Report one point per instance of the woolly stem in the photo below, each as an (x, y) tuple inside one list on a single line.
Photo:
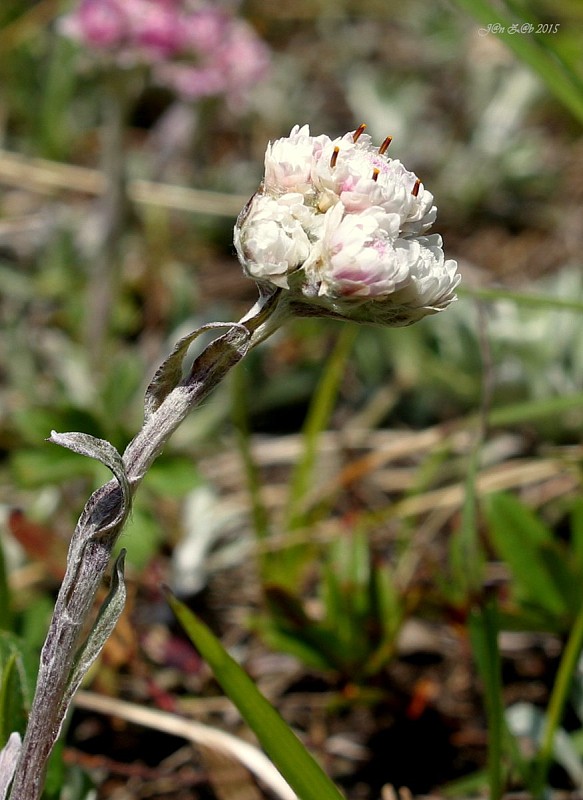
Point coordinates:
[(102, 521)]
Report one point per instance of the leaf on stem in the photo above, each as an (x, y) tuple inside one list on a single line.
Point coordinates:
[(102, 451), (109, 614), (8, 760), (169, 373), (484, 628)]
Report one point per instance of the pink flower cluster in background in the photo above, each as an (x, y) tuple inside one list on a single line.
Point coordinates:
[(195, 49)]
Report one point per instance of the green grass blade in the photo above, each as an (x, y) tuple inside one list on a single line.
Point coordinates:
[(18, 667), (283, 747), (240, 418), (532, 410), (316, 421), (577, 531), (483, 627), (465, 556), (287, 570), (546, 302), (557, 702), (525, 544)]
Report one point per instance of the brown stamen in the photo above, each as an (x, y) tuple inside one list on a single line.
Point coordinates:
[(375, 173), (415, 189), (385, 145), (334, 157), (358, 132)]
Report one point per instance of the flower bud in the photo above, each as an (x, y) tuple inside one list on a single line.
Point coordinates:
[(340, 227)]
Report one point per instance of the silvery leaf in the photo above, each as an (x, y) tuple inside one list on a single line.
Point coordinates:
[(102, 451), (169, 373), (108, 616), (8, 759)]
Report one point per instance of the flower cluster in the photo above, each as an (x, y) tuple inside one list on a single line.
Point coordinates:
[(343, 228), (195, 49)]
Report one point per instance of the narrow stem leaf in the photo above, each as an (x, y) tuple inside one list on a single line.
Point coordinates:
[(8, 760), (109, 614)]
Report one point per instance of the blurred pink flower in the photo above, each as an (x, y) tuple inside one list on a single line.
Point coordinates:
[(99, 24), (221, 55), (205, 29), (156, 28), (195, 49)]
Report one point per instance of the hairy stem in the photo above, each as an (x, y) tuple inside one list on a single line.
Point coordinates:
[(99, 527)]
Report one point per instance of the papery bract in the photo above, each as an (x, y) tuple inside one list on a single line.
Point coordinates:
[(361, 176), (432, 278)]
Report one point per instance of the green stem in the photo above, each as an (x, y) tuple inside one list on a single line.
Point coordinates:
[(559, 696), (483, 627), (6, 619), (240, 417), (317, 419)]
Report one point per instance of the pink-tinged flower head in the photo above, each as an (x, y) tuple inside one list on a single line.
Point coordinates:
[(338, 224), (245, 57), (356, 254), (363, 176), (289, 161), (220, 55)]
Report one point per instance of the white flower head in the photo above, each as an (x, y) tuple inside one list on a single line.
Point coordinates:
[(339, 225), (272, 239), (355, 254), (432, 279), (288, 161)]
